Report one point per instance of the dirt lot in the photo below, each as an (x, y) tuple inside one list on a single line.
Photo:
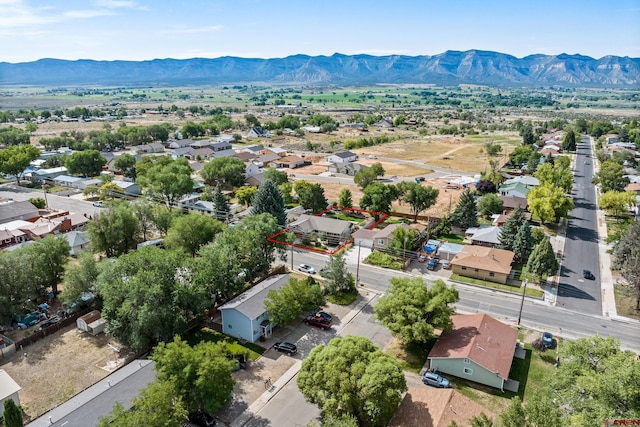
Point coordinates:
[(59, 366)]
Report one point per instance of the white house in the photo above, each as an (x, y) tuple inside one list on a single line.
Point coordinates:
[(245, 317), (78, 241), (342, 157), (8, 390)]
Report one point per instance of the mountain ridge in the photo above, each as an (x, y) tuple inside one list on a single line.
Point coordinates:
[(447, 68)]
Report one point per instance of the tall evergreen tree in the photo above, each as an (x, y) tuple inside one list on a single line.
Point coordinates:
[(12, 414), (510, 229), (466, 213), (221, 205), (523, 243), (345, 198), (269, 199), (569, 141), (542, 260)]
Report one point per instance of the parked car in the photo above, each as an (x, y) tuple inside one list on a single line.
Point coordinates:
[(422, 258), (446, 264), (322, 314), (202, 419), (286, 347), (318, 321), (547, 339), (435, 380), (432, 264), (306, 269), (98, 204), (588, 275), (240, 361), (29, 319)]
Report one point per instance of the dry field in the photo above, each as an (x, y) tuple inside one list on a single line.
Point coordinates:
[(59, 366)]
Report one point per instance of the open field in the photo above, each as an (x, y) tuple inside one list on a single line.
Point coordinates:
[(61, 365)]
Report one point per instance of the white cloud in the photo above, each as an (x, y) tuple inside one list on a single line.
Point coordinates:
[(193, 30), (114, 4)]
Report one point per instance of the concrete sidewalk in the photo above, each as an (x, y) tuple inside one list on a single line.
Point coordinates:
[(278, 384)]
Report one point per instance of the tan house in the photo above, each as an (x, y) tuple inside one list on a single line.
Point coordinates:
[(436, 407), (479, 348), (335, 231), (484, 263)]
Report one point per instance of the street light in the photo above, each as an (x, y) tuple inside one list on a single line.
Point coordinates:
[(524, 291), (44, 188)]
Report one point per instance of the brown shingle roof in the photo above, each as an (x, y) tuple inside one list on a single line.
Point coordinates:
[(480, 338), (436, 407), (513, 202), (484, 258)]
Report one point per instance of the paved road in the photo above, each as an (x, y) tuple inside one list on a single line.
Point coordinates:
[(70, 204), (536, 314), (581, 243)]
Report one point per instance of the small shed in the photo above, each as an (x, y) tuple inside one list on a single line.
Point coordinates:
[(92, 322), (8, 390)]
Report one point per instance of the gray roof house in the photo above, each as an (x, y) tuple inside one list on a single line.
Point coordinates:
[(129, 188), (257, 133), (78, 241), (346, 168), (335, 230), (176, 153), (245, 317), (485, 236), (11, 210), (179, 143), (342, 157)]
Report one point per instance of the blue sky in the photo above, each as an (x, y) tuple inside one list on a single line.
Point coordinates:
[(149, 29)]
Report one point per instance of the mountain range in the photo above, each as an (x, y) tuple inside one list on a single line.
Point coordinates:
[(448, 68)]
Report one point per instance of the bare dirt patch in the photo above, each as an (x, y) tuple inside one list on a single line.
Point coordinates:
[(59, 366)]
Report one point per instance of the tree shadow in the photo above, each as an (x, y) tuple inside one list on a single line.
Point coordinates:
[(566, 290)]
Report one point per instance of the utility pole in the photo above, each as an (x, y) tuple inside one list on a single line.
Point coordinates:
[(524, 291), (358, 267), (44, 188), (292, 257)]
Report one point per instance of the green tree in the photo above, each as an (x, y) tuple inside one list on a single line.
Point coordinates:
[(16, 288), (514, 415), (201, 374), (296, 297), (412, 311), (523, 243), (337, 276), (145, 301), (79, 277), (556, 175), (378, 197), (466, 213), (143, 211), (38, 202), (276, 175), (12, 415), (399, 119), (615, 202), (245, 194), (492, 148), (85, 163), (569, 141), (543, 261), (351, 376), (13, 136), (364, 177), (345, 198), (610, 177), (157, 405), (224, 170), (528, 138), (596, 380), (192, 231), (403, 239), (221, 205), (549, 203), (192, 130), (520, 155), (510, 228), (49, 256), (419, 198), (114, 231), (268, 199), (490, 204), (627, 259), (311, 196), (126, 165), (15, 158), (163, 218), (166, 178)]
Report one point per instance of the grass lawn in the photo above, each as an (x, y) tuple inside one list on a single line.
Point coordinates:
[(253, 351), (452, 238), (342, 297), (536, 293), (411, 357), (626, 301)]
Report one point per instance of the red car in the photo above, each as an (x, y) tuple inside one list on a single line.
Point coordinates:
[(318, 321), (422, 258)]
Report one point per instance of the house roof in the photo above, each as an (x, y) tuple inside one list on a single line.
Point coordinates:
[(484, 258), (268, 157), (480, 338), (180, 151), (180, 143), (386, 232), (202, 152), (487, 235), (517, 186), (12, 209), (513, 202), (91, 317), (436, 407), (76, 238), (245, 156), (8, 386), (290, 159), (634, 186), (308, 223), (524, 179), (224, 153), (58, 170), (67, 178), (201, 143), (364, 233), (344, 154), (451, 248), (220, 145), (251, 302)]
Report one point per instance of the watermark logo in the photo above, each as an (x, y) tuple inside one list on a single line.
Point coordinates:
[(609, 423)]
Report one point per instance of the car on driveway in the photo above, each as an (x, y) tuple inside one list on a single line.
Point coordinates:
[(322, 314), (286, 347), (98, 204), (435, 380), (318, 322), (446, 264), (432, 264), (202, 419), (306, 269), (587, 274), (422, 258), (547, 339)]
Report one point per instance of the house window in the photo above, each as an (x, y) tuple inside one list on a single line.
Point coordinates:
[(464, 268), (467, 361), (229, 326), (380, 242), (476, 270), (468, 371), (491, 274)]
